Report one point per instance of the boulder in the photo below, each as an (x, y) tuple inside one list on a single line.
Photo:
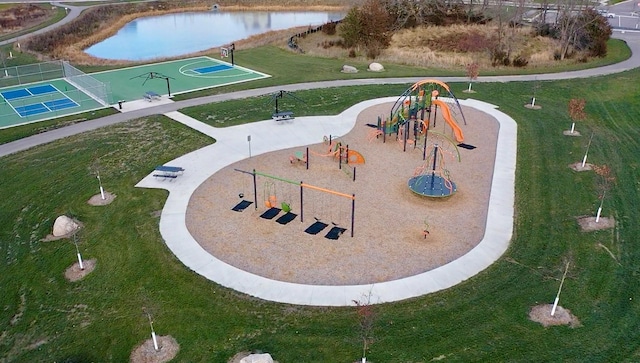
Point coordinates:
[(349, 69), (63, 226), (376, 67), (257, 358)]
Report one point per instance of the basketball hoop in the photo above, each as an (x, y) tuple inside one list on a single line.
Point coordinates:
[(224, 52)]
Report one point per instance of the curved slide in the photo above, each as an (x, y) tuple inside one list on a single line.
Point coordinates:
[(446, 114)]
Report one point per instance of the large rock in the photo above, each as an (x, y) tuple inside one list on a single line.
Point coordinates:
[(376, 67), (257, 358), (63, 226), (349, 69)]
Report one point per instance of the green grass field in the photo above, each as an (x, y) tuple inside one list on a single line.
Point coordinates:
[(46, 318)]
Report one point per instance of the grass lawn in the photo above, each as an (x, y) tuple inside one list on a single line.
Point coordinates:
[(46, 318)]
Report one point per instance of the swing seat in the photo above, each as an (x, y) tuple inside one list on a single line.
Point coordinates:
[(271, 202), (286, 218), (241, 206), (270, 213), (285, 207), (335, 233)]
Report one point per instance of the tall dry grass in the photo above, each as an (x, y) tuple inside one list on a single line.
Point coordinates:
[(442, 47)]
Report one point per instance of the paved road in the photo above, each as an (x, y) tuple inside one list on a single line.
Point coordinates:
[(73, 12), (631, 37)]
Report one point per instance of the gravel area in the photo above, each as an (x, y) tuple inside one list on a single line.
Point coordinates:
[(388, 241)]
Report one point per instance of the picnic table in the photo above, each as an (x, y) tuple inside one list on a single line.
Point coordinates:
[(151, 95), (166, 171), (281, 116)]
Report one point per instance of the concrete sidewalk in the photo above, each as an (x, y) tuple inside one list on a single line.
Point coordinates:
[(266, 136)]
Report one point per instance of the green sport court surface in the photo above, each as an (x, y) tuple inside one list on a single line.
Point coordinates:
[(42, 100), (57, 97), (186, 75)]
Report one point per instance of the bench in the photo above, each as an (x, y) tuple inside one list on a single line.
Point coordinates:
[(165, 176), (166, 171), (281, 116), (151, 95)]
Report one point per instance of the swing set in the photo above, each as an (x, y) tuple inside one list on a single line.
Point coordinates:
[(271, 202)]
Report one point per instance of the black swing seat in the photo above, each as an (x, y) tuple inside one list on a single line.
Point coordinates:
[(244, 204), (286, 218), (270, 213), (335, 232), (316, 227)]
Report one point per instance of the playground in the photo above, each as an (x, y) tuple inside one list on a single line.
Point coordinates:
[(396, 232)]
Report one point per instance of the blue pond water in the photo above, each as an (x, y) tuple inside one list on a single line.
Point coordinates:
[(183, 33)]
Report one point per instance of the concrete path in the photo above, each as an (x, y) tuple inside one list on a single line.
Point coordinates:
[(231, 146)]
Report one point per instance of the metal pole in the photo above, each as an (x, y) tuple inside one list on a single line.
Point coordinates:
[(255, 189), (307, 159), (433, 169), (353, 212), (301, 202)]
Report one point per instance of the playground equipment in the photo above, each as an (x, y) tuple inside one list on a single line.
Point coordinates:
[(432, 178), (415, 112), (346, 157), (273, 209)]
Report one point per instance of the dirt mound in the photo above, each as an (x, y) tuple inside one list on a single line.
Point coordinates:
[(588, 224), (542, 314), (146, 353), (75, 273), (97, 199)]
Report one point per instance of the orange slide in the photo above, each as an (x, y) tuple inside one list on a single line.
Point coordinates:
[(446, 114)]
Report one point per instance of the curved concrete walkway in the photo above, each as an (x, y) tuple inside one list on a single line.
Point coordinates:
[(231, 146)]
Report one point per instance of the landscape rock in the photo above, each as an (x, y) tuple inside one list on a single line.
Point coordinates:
[(349, 69), (376, 67), (257, 358), (64, 226)]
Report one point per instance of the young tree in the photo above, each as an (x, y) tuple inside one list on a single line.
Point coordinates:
[(576, 111), (603, 183), (366, 319), (473, 70)]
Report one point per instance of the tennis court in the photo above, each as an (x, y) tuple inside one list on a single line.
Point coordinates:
[(49, 90), (42, 100), (178, 76)]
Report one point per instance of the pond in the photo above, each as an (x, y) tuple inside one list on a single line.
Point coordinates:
[(183, 33)]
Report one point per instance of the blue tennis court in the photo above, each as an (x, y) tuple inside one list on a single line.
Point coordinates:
[(38, 99), (212, 69), (28, 92)]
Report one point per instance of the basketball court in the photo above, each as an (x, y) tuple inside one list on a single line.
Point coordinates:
[(54, 89), (175, 77)]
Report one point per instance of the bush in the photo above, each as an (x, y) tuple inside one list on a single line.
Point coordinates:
[(520, 61), (500, 57), (329, 28), (373, 51)]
